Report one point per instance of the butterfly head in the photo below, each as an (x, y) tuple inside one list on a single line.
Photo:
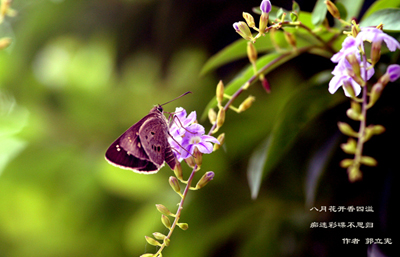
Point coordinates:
[(157, 109)]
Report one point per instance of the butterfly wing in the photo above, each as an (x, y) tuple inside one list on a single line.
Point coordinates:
[(154, 137), (127, 151)]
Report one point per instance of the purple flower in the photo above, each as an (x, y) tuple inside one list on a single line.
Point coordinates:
[(393, 71), (344, 73), (377, 35), (265, 6), (188, 135)]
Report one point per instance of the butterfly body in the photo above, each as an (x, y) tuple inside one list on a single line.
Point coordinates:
[(144, 147)]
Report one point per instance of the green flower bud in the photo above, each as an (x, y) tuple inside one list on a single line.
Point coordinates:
[(198, 157), (290, 38), (353, 115), (263, 22), (152, 241), (346, 129), (355, 65), (251, 52), (167, 241), (178, 171), (332, 9), (243, 30), (161, 208), (173, 181), (349, 88), (375, 51), (354, 173), (246, 103), (349, 147), (165, 220), (376, 92), (346, 163), (249, 19), (159, 236), (212, 115), (221, 139), (221, 117), (220, 92), (207, 177), (368, 161), (5, 42), (183, 226)]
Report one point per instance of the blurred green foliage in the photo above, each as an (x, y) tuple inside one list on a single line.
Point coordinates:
[(79, 73)]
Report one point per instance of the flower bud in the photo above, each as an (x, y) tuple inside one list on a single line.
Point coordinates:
[(368, 161), (243, 30), (178, 171), (5, 42), (376, 92), (212, 115), (349, 147), (161, 208), (159, 236), (290, 38), (198, 157), (375, 51), (263, 22), (265, 84), (152, 241), (346, 129), (183, 226), (346, 163), (354, 173), (167, 241), (249, 19), (332, 9), (221, 139), (353, 115), (190, 162), (173, 181), (348, 87), (246, 103), (221, 117), (165, 220), (393, 72), (355, 106), (265, 6), (373, 130), (220, 92), (251, 52), (207, 177), (355, 65)]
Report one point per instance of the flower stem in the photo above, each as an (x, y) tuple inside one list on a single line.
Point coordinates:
[(178, 212)]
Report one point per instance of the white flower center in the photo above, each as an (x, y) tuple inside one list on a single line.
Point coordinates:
[(195, 140)]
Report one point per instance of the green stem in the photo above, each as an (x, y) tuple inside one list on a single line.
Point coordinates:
[(178, 212)]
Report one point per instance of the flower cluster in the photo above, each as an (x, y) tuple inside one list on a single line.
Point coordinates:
[(352, 71), (187, 135)]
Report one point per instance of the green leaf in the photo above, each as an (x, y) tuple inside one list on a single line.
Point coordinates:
[(342, 10), (319, 12), (304, 105), (352, 8), (256, 167), (389, 17), (379, 5)]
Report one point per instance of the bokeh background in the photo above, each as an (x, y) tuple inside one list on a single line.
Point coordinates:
[(79, 73)]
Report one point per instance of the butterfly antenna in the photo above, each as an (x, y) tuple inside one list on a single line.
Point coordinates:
[(188, 92)]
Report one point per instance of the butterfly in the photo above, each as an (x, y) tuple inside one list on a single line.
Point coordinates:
[(144, 147)]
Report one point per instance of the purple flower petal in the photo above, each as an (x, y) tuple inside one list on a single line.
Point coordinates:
[(265, 6), (394, 72)]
